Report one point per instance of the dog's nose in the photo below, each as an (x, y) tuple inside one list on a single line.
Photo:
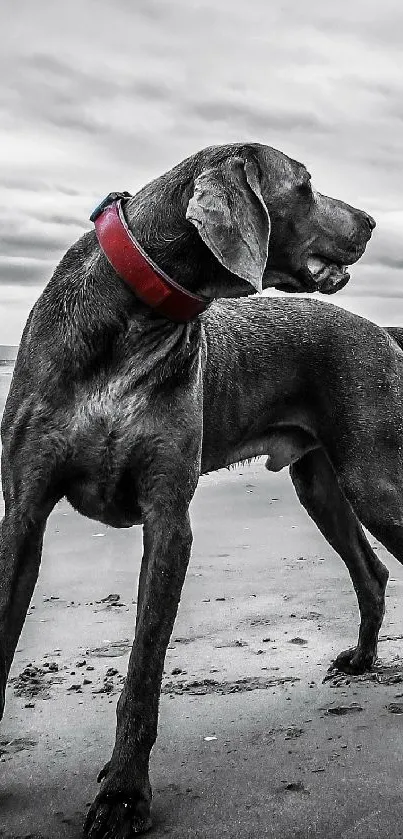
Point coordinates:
[(370, 221)]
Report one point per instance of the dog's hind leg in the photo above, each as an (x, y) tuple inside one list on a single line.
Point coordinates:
[(378, 499), (319, 491), (28, 502)]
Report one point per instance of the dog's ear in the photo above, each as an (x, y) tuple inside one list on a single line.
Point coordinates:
[(229, 213)]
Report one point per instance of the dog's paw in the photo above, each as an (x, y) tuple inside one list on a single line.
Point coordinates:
[(117, 816), (354, 661)]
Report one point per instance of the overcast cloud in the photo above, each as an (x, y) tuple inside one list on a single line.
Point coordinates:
[(99, 95)]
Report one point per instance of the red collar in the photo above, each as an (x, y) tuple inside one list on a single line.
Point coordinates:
[(128, 259)]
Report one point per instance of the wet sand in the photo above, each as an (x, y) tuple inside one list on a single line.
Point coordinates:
[(251, 742)]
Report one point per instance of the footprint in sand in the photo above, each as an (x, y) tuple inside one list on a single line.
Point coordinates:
[(11, 746)]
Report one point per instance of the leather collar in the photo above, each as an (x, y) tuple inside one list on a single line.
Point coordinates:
[(131, 263)]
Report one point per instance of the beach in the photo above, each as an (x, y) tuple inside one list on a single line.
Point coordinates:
[(252, 741)]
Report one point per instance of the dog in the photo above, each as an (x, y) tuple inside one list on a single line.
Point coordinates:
[(145, 363)]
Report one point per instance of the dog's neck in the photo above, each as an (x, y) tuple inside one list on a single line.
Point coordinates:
[(115, 324), (173, 243)]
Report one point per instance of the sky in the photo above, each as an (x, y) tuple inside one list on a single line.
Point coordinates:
[(98, 95)]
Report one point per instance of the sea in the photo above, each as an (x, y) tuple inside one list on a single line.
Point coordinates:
[(6, 371)]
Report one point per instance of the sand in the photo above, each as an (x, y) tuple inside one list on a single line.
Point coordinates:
[(251, 742)]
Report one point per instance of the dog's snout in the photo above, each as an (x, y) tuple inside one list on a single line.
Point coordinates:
[(365, 224), (371, 221)]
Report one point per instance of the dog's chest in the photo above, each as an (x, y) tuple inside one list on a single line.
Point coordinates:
[(103, 430)]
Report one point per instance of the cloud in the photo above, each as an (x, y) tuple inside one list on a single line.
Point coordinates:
[(97, 96), (256, 119), (40, 233), (23, 271), (24, 245)]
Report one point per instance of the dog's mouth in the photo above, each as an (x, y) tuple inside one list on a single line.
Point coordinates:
[(327, 276), (318, 274), (315, 273)]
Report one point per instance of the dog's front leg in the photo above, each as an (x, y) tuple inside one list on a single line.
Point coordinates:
[(21, 537), (20, 556), (122, 807)]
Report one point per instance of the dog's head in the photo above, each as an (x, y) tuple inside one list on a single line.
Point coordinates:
[(232, 220), (257, 212)]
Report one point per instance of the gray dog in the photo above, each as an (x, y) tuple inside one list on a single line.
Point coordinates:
[(120, 400)]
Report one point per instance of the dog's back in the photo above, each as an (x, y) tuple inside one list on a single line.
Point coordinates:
[(397, 334)]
